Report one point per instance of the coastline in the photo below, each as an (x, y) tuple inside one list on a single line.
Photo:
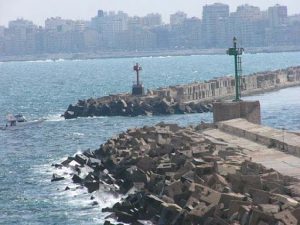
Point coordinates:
[(139, 54)]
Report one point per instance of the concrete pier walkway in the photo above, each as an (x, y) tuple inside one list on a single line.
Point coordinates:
[(272, 148)]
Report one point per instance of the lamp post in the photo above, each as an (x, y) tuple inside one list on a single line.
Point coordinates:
[(137, 68), (236, 52), (138, 88)]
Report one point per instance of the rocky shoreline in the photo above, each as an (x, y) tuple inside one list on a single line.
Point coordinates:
[(181, 176)]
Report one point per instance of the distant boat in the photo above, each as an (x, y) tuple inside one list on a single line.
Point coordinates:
[(20, 118), (15, 121)]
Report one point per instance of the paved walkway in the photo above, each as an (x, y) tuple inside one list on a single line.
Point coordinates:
[(282, 162), (256, 132)]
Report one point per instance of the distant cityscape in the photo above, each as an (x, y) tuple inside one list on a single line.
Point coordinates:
[(117, 31)]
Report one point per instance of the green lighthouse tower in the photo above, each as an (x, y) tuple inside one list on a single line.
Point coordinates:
[(237, 52)]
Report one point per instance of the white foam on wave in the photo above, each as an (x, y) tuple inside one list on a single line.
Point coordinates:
[(54, 118), (79, 151), (78, 134), (77, 196), (45, 60), (164, 57), (39, 61)]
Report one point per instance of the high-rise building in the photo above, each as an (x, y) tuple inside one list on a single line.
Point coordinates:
[(248, 25), (109, 25), (214, 22), (162, 34), (57, 24), (277, 15), (152, 20), (20, 37), (177, 18), (2, 30), (277, 31), (187, 34), (294, 19), (2, 36)]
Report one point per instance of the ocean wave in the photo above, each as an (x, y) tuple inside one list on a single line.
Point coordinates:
[(54, 118), (39, 61), (77, 195), (78, 134)]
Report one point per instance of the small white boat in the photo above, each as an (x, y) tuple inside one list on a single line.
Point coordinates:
[(18, 121)]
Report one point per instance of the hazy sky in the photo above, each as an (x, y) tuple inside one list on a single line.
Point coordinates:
[(39, 10)]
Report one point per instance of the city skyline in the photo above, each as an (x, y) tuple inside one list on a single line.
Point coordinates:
[(118, 31), (39, 11)]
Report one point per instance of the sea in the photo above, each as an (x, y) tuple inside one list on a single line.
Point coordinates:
[(44, 89)]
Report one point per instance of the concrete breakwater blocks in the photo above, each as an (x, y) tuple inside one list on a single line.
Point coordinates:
[(187, 98), (188, 175), (249, 110)]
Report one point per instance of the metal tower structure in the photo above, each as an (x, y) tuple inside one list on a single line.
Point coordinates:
[(138, 87), (237, 52)]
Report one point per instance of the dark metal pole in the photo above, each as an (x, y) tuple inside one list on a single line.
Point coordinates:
[(138, 76), (137, 68), (237, 79)]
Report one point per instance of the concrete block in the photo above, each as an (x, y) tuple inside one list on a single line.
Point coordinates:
[(249, 110)]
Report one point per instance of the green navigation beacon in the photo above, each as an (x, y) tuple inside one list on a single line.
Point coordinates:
[(237, 52)]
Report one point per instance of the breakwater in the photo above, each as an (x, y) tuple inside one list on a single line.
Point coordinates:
[(179, 99), (182, 176)]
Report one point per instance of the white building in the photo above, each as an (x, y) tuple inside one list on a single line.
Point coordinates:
[(177, 18), (214, 22), (277, 15)]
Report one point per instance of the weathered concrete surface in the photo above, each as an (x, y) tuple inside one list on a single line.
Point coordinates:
[(256, 142), (224, 87), (281, 139), (249, 110)]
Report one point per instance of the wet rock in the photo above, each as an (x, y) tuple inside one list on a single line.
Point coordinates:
[(76, 179), (56, 177), (94, 203), (81, 159), (92, 186)]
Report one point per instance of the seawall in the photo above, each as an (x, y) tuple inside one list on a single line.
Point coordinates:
[(222, 87), (188, 98)]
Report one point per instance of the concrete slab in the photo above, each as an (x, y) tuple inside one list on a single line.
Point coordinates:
[(277, 138), (282, 162)]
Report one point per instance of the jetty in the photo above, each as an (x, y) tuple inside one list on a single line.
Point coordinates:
[(187, 98)]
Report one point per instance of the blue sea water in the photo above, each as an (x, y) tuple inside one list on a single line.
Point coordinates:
[(43, 89)]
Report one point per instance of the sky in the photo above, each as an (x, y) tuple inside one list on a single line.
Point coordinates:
[(38, 10)]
